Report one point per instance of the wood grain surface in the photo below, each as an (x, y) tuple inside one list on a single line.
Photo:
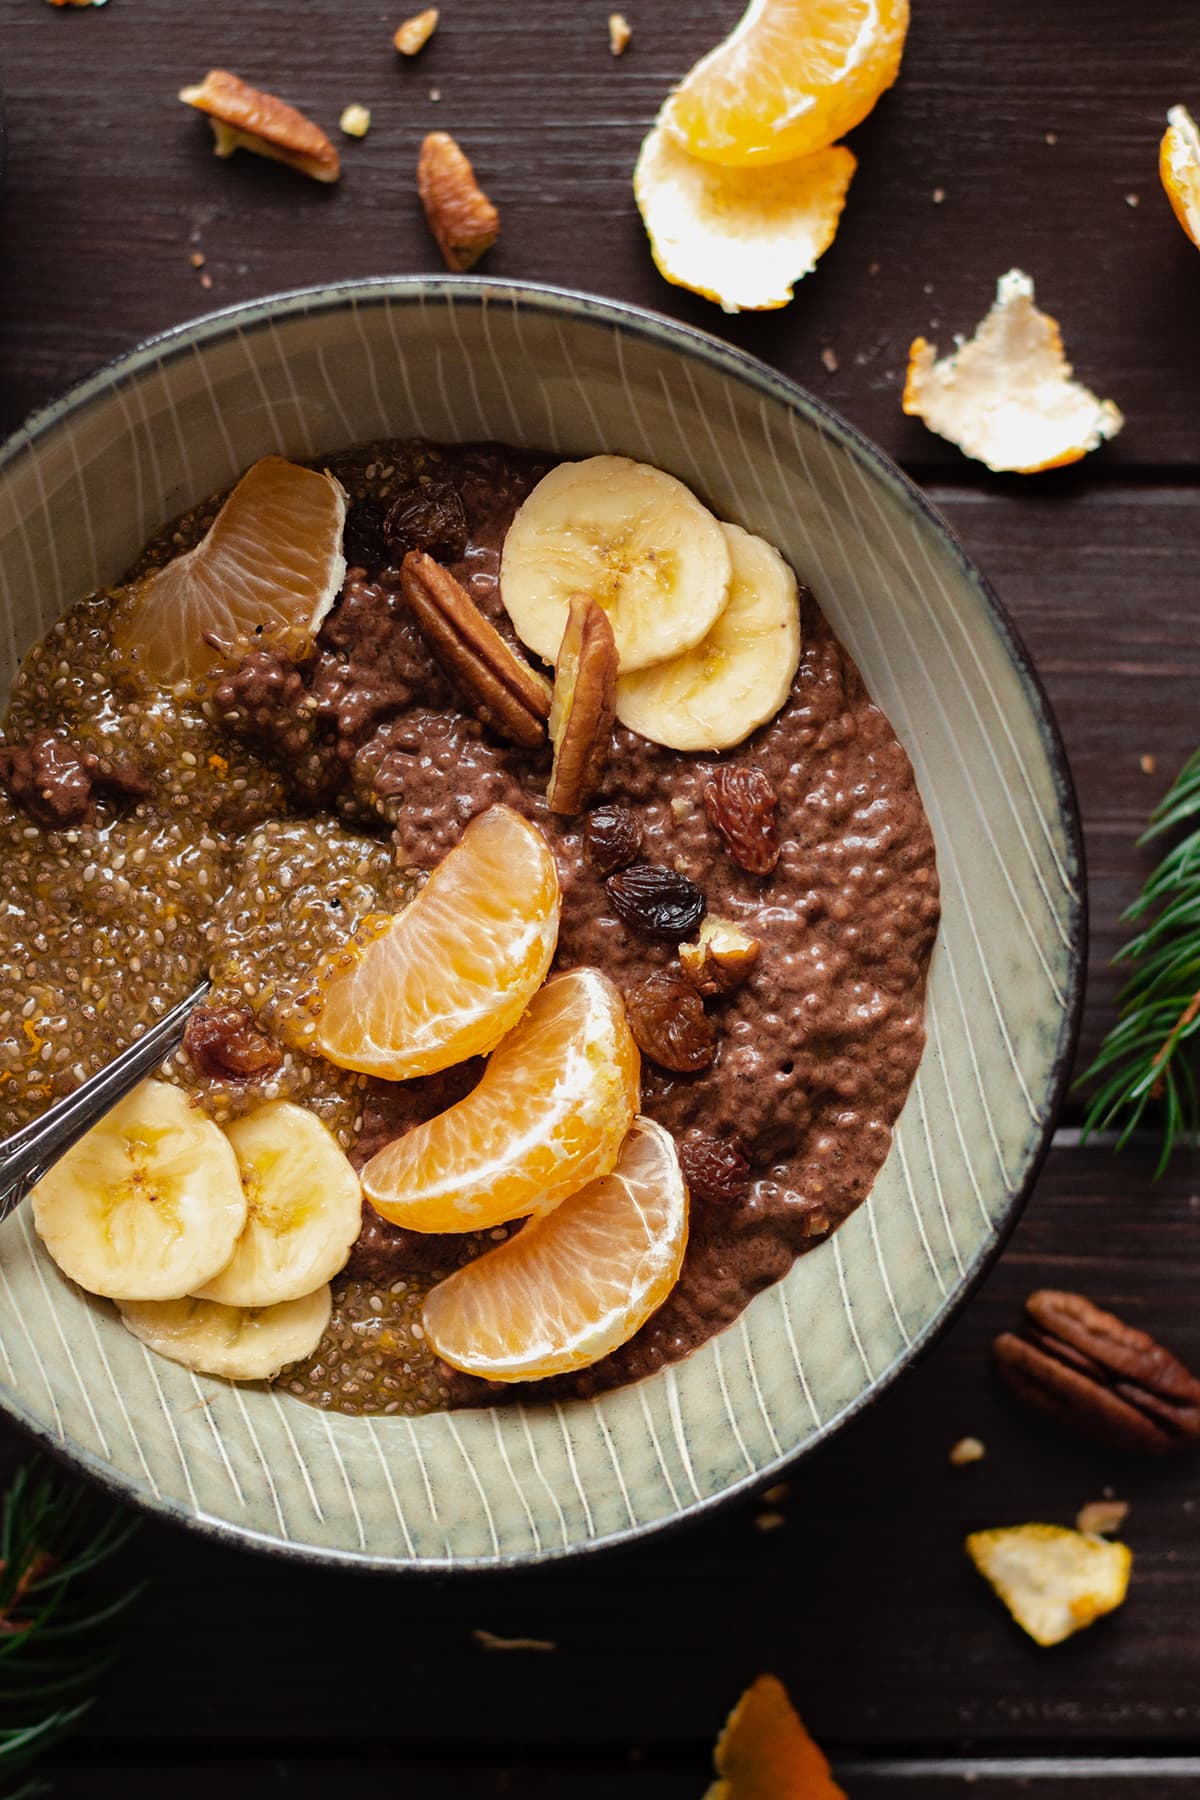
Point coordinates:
[(1038, 125)]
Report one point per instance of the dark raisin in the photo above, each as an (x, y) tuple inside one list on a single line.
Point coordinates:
[(656, 900), (715, 1169), (427, 514), (741, 804), (363, 539), (667, 1018), (612, 837), (224, 1044)]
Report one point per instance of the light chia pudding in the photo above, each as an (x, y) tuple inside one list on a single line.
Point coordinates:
[(737, 867)]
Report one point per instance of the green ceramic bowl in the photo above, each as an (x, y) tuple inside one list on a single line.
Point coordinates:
[(84, 484)]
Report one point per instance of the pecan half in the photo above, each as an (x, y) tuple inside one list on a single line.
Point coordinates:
[(584, 705), (460, 215), (244, 118), (507, 694), (1090, 1370)]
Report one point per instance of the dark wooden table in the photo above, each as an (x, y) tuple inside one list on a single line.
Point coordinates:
[(1038, 124)]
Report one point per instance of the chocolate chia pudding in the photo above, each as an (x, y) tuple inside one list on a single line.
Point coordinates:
[(247, 826)]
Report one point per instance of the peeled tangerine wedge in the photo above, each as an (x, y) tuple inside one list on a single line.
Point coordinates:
[(1052, 1580), (740, 237), (447, 977), (739, 675), (239, 1343), (550, 1113), (1179, 167), (764, 1752), (576, 1282), (791, 77), (149, 1205), (1006, 396), (304, 1208), (268, 570), (631, 536)]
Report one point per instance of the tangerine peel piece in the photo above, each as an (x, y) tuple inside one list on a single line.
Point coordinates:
[(740, 237), (764, 1752), (1006, 396), (1054, 1581), (1179, 168)]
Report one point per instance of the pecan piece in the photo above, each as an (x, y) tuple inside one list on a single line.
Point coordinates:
[(1090, 1370), (507, 694), (413, 34), (722, 956), (584, 705), (461, 217), (741, 804), (242, 117)]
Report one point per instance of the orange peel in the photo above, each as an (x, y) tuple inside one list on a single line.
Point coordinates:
[(1054, 1581), (1179, 168), (741, 237), (764, 1752), (1006, 396), (792, 77)]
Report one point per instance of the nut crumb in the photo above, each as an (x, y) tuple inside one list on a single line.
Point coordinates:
[(619, 33), (830, 359), (768, 1521), (1147, 763), (488, 1640), (1101, 1517), (198, 259), (413, 35), (356, 119), (1133, 199), (967, 1450), (206, 281), (1052, 138), (938, 195), (435, 93), (774, 1495)]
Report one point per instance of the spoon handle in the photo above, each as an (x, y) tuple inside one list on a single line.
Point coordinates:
[(28, 1153)]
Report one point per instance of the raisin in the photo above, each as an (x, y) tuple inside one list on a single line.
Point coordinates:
[(427, 514), (715, 1169), (741, 804), (667, 1018), (363, 538), (656, 900), (224, 1044), (612, 837)]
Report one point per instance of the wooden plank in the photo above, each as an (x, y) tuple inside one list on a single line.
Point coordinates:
[(863, 1600), (1100, 580), (111, 185), (456, 1778)]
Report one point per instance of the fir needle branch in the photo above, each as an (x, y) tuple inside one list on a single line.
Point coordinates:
[(1148, 1055), (57, 1634)]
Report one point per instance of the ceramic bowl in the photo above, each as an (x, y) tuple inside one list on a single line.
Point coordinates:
[(85, 483)]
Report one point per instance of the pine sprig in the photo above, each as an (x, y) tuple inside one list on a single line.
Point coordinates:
[(56, 1631), (1148, 1057)]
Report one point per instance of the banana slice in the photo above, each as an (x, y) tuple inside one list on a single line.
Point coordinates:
[(742, 672), (147, 1206), (305, 1208), (240, 1343), (635, 539)]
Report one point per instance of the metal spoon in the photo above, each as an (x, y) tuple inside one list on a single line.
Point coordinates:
[(28, 1153)]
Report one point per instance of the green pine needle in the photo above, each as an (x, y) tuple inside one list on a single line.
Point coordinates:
[(1148, 1058), (56, 1631)]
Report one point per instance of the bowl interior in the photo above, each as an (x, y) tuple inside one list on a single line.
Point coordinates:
[(81, 489)]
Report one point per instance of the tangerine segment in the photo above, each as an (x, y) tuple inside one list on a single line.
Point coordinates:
[(764, 1752), (446, 978), (268, 570), (792, 76), (549, 1114), (576, 1282), (1179, 167)]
